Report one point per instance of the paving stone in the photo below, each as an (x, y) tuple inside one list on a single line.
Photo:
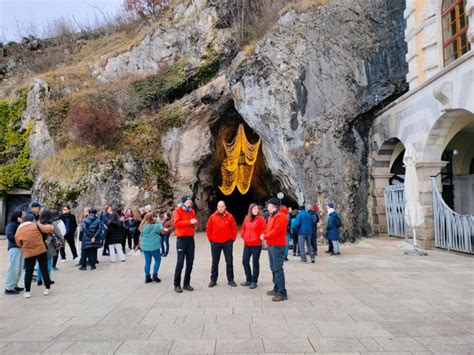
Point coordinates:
[(194, 346), (177, 331), (24, 347), (351, 330), (145, 347), (58, 347), (287, 345), (226, 331), (337, 345), (93, 347), (239, 346), (399, 344)]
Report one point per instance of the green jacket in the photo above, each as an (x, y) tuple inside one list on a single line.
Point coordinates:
[(151, 238)]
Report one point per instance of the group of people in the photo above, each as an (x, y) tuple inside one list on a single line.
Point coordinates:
[(31, 241)]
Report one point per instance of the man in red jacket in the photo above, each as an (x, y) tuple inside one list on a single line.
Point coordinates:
[(185, 222), (275, 236), (221, 232)]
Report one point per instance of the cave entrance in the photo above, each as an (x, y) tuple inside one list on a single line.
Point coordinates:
[(263, 183)]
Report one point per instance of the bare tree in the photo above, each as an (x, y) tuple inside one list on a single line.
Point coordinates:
[(148, 10)]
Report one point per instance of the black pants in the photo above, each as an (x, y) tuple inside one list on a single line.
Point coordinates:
[(331, 247), (135, 237), (254, 252), (185, 250), (294, 236), (30, 267), (314, 243), (89, 256), (70, 240), (216, 249)]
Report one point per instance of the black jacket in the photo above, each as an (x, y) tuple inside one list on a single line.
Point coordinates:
[(115, 234), (70, 223), (10, 232)]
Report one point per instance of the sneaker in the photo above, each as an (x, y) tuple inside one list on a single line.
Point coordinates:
[(82, 268), (27, 295), (286, 259), (279, 298), (11, 292), (51, 282), (313, 261), (212, 284), (188, 288), (178, 289), (19, 289), (40, 282), (63, 260), (46, 292), (304, 261), (333, 254), (55, 268), (76, 258), (252, 285), (130, 252), (122, 260), (93, 268), (328, 251), (232, 283), (245, 284), (271, 293)]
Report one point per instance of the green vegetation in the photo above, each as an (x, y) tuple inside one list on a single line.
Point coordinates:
[(208, 68), (152, 92), (15, 162)]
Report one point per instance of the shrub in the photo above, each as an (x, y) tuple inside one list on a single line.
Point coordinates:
[(155, 90), (97, 125), (15, 163), (148, 10)]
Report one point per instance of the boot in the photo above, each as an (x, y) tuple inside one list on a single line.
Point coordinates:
[(155, 278), (147, 279)]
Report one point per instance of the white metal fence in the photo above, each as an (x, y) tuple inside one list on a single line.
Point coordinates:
[(453, 231), (394, 197)]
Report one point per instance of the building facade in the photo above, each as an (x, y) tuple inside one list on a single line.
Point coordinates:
[(436, 115)]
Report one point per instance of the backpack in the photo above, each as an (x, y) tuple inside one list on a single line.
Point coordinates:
[(338, 221)]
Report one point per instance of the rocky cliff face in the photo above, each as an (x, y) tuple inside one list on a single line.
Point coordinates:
[(307, 89)]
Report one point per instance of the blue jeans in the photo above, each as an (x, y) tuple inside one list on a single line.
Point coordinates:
[(275, 255), (302, 240), (165, 246), (155, 254), (15, 268), (285, 255), (336, 248), (39, 276)]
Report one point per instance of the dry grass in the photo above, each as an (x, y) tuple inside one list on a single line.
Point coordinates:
[(70, 164)]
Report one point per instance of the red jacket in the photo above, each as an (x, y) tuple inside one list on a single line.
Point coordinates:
[(182, 222), (252, 230), (221, 228), (275, 233)]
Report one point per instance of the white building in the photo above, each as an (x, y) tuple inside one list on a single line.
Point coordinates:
[(437, 117)]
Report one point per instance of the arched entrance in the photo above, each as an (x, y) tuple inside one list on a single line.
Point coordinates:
[(387, 170)]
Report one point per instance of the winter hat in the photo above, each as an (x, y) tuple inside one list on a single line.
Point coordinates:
[(302, 208), (185, 198), (314, 207), (274, 201), (330, 204), (35, 204)]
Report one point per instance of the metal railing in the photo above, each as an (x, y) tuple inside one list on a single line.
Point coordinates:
[(453, 231), (394, 197)]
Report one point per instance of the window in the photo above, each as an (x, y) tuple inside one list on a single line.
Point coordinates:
[(455, 25)]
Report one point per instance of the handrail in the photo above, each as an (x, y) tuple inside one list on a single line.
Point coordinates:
[(453, 231)]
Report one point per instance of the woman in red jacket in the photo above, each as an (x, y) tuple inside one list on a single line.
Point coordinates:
[(252, 228)]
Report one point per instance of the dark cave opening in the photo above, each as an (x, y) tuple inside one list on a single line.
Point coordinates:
[(263, 186)]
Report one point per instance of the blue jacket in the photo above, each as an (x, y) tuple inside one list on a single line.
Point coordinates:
[(151, 237), (10, 233), (91, 228), (332, 229), (304, 224), (315, 219)]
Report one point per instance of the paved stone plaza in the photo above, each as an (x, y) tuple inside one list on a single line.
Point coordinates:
[(372, 299)]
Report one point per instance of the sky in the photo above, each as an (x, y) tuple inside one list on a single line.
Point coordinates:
[(20, 17)]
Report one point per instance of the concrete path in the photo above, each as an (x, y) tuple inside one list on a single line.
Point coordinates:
[(371, 299)]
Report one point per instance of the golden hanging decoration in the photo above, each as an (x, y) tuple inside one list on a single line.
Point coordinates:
[(237, 167)]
